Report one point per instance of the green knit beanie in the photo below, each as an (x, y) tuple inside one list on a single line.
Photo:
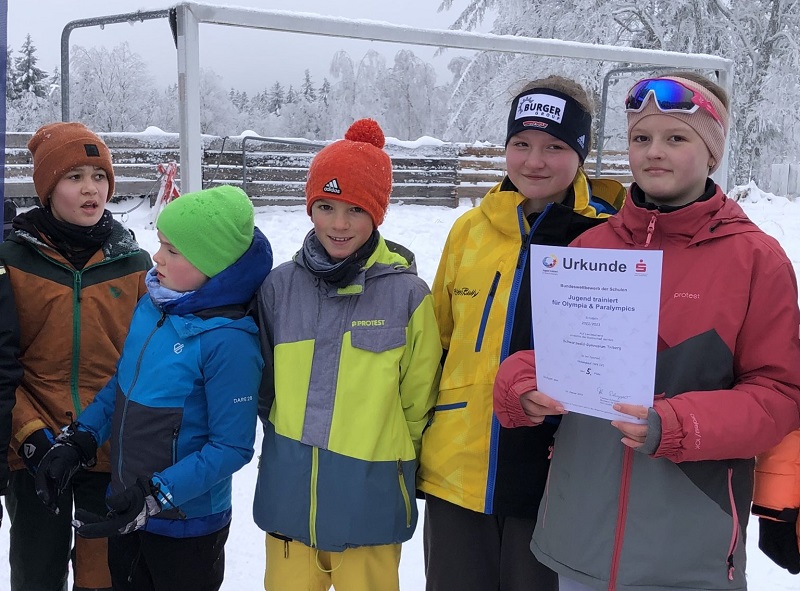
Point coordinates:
[(211, 228)]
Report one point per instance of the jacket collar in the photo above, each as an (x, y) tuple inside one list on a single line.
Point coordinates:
[(503, 199), (387, 258), (703, 220), (235, 285)]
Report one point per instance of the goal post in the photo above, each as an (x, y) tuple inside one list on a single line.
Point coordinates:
[(186, 18)]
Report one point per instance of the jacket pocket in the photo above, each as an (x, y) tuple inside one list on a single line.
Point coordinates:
[(734, 528), (378, 340), (175, 432), (404, 492)]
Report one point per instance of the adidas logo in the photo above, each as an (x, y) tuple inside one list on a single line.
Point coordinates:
[(332, 186), (115, 292), (582, 141)]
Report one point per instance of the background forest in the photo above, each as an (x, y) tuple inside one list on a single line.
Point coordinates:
[(113, 89)]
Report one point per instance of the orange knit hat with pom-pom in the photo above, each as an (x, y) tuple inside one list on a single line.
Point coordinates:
[(355, 170)]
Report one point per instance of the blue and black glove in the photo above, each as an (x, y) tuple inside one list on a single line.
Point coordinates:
[(778, 540), (35, 447), (129, 511), (72, 451)]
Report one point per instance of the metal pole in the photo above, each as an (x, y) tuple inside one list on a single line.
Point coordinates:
[(601, 123), (129, 17), (188, 34), (723, 174), (3, 65)]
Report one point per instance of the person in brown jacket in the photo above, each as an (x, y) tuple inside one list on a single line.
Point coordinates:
[(76, 276), (10, 372)]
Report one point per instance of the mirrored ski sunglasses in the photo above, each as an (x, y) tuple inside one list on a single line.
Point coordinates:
[(671, 97)]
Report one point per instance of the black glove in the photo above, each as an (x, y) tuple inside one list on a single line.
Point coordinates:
[(72, 451), (778, 540), (129, 511), (35, 447)]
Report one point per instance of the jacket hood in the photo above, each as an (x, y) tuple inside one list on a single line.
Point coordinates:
[(596, 198), (700, 221), (234, 286)]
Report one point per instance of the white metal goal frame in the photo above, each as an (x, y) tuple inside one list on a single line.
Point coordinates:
[(189, 16)]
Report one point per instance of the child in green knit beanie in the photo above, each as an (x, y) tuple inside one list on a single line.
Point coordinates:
[(181, 409)]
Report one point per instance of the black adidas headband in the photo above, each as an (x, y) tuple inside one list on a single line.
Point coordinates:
[(552, 112)]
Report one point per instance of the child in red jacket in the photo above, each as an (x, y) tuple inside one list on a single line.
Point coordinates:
[(666, 507)]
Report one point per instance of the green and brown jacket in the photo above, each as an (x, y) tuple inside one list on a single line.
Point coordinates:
[(72, 327)]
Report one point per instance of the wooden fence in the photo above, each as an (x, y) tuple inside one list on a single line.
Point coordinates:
[(274, 172)]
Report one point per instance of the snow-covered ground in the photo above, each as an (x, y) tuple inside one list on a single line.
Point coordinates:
[(423, 229)]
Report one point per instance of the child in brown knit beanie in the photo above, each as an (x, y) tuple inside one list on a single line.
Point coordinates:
[(76, 275)]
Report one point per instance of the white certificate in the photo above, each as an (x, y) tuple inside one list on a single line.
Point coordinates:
[(595, 326)]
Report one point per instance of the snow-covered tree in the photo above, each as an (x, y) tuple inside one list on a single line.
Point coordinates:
[(161, 108), (342, 92), (324, 91), (760, 36), (28, 76), (307, 88), (415, 106), (11, 77), (109, 90), (276, 98), (370, 89), (28, 112), (218, 115)]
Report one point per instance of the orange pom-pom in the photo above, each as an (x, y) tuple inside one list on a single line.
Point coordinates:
[(368, 131)]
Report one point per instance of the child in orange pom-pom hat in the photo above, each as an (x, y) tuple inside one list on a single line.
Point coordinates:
[(352, 352)]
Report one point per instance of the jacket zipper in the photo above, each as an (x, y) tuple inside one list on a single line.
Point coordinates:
[(522, 257), (650, 229), (159, 324), (735, 530), (76, 340), (175, 432), (404, 492), (546, 495), (486, 309), (312, 515), (622, 512), (77, 285)]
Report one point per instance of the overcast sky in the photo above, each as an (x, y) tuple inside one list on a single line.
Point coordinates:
[(247, 59)]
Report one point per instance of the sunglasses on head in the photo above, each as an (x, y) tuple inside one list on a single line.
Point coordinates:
[(671, 97)]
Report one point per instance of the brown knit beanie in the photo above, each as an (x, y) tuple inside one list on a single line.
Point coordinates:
[(712, 134), (57, 148), (355, 170)]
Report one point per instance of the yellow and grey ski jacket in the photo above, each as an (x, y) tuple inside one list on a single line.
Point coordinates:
[(468, 459), (351, 377)]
